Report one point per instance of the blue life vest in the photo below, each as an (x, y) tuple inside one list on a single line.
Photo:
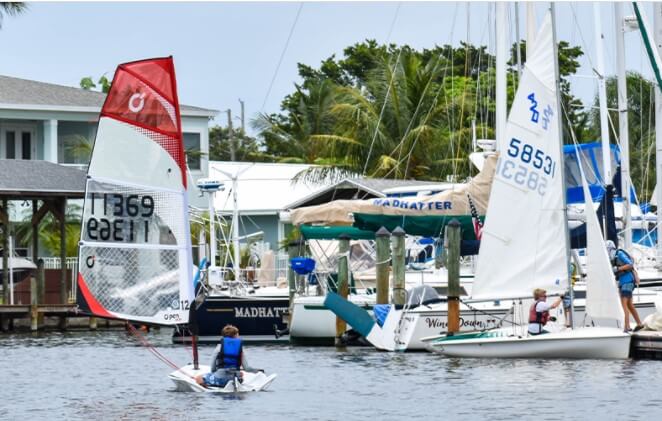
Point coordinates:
[(230, 355), (622, 258)]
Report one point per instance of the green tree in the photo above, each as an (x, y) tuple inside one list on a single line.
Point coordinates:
[(11, 9), (88, 84), (393, 111), (247, 148), (641, 127)]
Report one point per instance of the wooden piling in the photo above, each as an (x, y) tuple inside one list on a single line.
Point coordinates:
[(41, 287), (292, 251), (93, 323), (343, 282), (383, 262), (4, 220), (398, 256), (452, 237), (64, 295), (34, 305)]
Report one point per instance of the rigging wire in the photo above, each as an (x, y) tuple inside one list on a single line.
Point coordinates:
[(400, 145), (388, 91), (282, 55)]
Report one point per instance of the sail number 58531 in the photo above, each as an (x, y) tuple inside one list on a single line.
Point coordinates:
[(526, 166), (527, 154)]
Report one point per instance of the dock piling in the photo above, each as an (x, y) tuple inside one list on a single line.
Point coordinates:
[(383, 261), (452, 238), (398, 256), (34, 305), (343, 282)]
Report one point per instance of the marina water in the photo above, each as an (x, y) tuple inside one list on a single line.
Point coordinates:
[(107, 375)]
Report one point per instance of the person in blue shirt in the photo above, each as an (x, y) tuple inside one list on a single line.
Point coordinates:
[(227, 361), (624, 270)]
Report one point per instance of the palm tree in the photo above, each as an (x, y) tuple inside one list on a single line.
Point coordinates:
[(11, 9)]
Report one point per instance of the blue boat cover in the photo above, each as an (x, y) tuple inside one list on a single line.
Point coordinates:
[(381, 311), (590, 155)]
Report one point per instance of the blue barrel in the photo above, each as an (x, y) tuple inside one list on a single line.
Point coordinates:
[(302, 265)]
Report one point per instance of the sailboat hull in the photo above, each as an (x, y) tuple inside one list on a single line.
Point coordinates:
[(593, 342), (184, 379)]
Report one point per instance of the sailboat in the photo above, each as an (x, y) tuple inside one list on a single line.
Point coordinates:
[(526, 246), (135, 255)]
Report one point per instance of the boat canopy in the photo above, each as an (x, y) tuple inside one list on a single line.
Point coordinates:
[(591, 157)]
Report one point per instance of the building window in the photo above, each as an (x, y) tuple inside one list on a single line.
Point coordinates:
[(10, 139), (192, 149), (75, 140), (26, 145)]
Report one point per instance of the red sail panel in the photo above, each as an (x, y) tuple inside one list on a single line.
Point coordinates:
[(144, 94), (87, 300)]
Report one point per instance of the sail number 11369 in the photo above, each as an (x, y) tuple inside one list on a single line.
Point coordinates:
[(121, 218)]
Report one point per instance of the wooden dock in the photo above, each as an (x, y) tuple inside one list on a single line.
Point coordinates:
[(646, 344), (34, 318)]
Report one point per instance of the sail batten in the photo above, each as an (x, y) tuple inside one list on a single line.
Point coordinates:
[(135, 251)]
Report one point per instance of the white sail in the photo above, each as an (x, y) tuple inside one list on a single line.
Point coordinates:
[(524, 241), (135, 249), (602, 300)]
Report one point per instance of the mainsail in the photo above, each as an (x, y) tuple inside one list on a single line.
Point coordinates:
[(523, 241), (135, 258)]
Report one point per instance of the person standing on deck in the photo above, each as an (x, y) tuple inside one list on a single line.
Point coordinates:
[(624, 271)]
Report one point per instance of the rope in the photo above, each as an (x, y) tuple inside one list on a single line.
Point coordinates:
[(135, 332), (477, 310)]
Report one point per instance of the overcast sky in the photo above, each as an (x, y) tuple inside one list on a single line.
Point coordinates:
[(227, 51)]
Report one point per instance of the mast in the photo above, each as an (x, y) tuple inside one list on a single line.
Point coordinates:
[(561, 158), (530, 26), (602, 95), (623, 128), (501, 30), (517, 43), (657, 34), (656, 65)]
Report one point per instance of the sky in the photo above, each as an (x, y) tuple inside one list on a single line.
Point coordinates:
[(229, 51)]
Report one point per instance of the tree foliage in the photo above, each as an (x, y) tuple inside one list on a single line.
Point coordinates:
[(11, 8), (393, 111)]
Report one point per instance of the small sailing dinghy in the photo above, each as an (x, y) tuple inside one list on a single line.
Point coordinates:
[(524, 244), (135, 260)]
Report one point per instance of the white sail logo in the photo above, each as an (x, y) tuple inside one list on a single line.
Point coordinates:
[(137, 102)]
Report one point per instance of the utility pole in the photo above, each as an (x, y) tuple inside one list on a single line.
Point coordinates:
[(243, 127), (230, 136)]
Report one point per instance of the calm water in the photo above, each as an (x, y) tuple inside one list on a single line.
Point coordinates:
[(106, 375)]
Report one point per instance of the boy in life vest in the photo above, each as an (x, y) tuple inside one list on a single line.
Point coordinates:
[(539, 311), (227, 360), (624, 271)]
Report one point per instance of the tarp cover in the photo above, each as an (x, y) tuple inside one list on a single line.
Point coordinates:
[(446, 204)]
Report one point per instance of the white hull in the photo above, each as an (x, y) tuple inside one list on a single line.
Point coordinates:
[(404, 330), (311, 321), (592, 342), (184, 380)]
